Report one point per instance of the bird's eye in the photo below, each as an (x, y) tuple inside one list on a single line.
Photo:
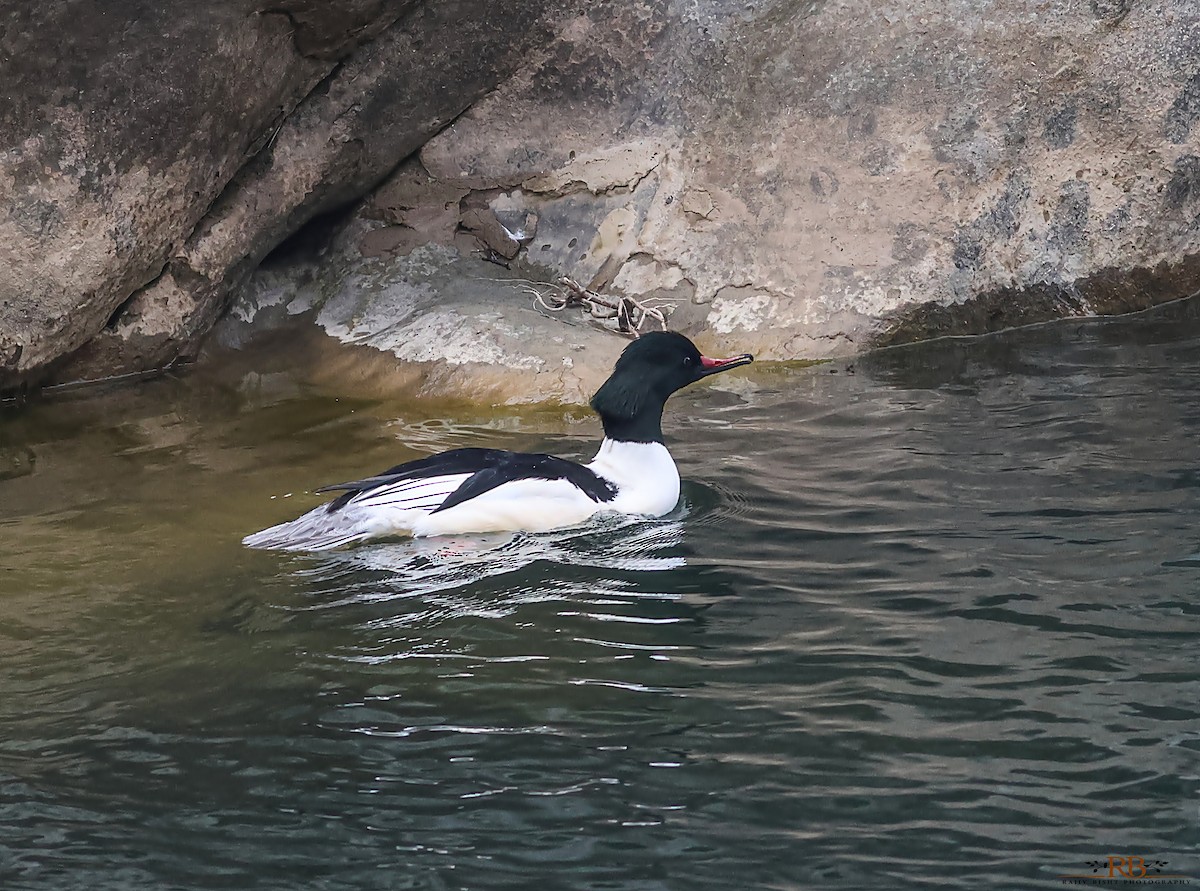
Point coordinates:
[(687, 360)]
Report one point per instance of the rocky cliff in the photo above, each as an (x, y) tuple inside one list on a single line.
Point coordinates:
[(803, 179)]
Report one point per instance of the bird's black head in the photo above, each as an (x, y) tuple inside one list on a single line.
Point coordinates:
[(630, 403)]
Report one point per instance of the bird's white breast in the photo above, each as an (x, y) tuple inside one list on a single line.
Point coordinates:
[(644, 473)]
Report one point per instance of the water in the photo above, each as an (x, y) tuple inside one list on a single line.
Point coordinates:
[(927, 621)]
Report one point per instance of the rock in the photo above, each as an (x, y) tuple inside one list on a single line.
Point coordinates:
[(454, 325), (821, 179), (145, 333), (802, 180), (116, 142), (494, 235), (173, 154), (420, 209)]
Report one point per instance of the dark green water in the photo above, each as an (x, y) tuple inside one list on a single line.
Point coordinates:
[(934, 623)]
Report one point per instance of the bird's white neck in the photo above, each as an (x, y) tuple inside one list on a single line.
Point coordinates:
[(644, 473)]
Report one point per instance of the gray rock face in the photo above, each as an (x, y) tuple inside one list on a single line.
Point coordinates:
[(115, 142), (799, 179), (819, 178), (152, 165), (454, 326)]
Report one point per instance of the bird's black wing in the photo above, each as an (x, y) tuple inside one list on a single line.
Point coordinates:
[(489, 468), (522, 466)]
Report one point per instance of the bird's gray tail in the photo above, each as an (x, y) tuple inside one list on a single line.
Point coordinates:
[(317, 530)]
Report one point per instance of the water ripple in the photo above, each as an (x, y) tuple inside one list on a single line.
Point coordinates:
[(932, 624)]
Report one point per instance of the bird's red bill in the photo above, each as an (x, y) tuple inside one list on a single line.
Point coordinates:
[(721, 363)]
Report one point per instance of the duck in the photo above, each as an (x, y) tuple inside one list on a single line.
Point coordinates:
[(482, 490)]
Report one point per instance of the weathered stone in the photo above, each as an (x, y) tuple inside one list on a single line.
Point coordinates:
[(144, 333), (380, 106), (218, 170), (798, 179), (115, 142), (494, 235), (1107, 292), (427, 309), (324, 30), (821, 172), (424, 210)]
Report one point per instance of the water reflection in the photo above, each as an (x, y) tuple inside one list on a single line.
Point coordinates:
[(930, 623), (424, 566)]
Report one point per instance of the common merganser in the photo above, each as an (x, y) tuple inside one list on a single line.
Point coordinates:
[(492, 490)]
